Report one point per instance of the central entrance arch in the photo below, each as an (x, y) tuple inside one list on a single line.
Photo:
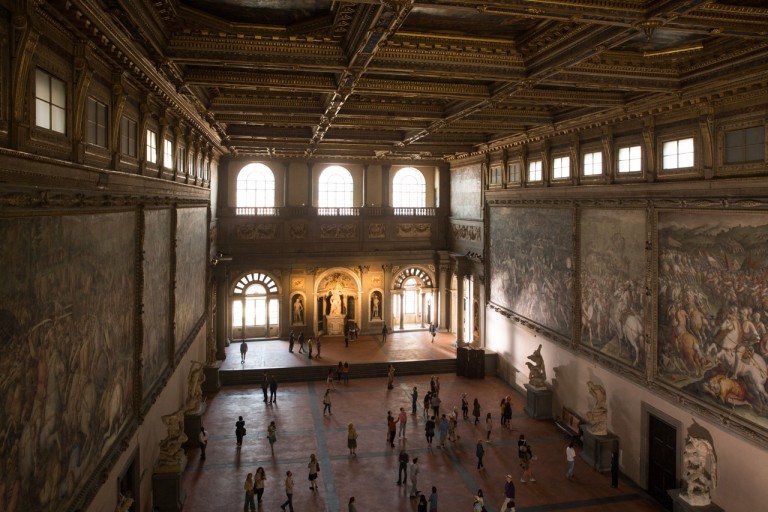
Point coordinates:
[(337, 295), (413, 299)]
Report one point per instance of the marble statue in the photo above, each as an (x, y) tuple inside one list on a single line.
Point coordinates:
[(195, 381), (699, 471), (335, 303), (538, 374), (125, 503), (598, 416), (171, 452)]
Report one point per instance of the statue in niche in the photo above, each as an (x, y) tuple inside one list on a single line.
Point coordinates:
[(699, 471), (298, 310), (171, 453), (195, 381), (598, 416), (538, 374), (335, 303), (376, 306)]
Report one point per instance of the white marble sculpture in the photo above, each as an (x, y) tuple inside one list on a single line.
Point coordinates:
[(171, 453), (538, 374), (195, 381), (699, 471), (598, 416)]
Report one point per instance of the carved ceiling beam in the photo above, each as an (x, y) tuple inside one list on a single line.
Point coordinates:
[(390, 16)]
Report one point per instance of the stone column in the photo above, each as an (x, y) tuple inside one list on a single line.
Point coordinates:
[(441, 305), (222, 312), (423, 307), (460, 303), (401, 301), (386, 297)]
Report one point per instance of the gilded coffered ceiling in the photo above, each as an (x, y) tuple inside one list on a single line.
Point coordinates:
[(438, 78)]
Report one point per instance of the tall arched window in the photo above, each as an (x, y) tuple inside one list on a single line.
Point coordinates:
[(409, 190), (255, 187), (255, 307), (335, 188)]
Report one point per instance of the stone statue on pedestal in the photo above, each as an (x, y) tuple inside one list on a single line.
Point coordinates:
[(171, 453), (598, 416), (195, 387), (699, 471), (538, 374)]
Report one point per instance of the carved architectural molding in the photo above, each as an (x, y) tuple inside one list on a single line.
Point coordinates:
[(338, 230), (466, 232), (414, 230), (377, 230), (297, 230), (255, 231)]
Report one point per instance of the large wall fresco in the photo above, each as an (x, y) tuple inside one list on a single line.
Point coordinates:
[(531, 264), (713, 308), (466, 202), (157, 307), (67, 334), (613, 270), (191, 264)]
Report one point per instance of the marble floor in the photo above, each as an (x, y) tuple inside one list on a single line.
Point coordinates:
[(216, 483)]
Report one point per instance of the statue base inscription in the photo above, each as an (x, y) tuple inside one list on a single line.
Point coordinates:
[(538, 403), (167, 491), (596, 450), (334, 325), (681, 505)]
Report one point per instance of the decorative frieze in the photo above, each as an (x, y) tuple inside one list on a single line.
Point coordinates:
[(415, 230), (466, 232), (377, 231), (255, 231), (338, 230)]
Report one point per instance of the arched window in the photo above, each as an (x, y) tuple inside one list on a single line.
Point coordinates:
[(255, 307), (255, 187), (335, 188), (409, 190)]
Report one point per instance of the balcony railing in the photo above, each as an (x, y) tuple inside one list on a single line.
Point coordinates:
[(262, 211), (416, 212), (338, 212)]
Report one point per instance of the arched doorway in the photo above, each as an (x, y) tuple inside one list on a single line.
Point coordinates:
[(255, 307), (338, 301), (413, 299)]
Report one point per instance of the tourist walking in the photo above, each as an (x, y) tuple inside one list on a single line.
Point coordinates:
[(351, 505), (258, 484), (249, 492), (443, 430), (432, 385), (525, 463), (288, 491), (437, 385), (309, 348), (570, 457), (464, 407), (508, 411), (329, 379), (273, 390), (476, 411), (314, 468), (390, 376), (243, 351), (272, 435), (488, 427), (509, 493), (427, 404), (392, 425), (327, 402), (479, 452), (402, 419), (239, 431), (318, 346), (352, 439), (265, 388), (345, 372), (291, 341), (414, 399), (452, 421), (203, 438), (422, 507), (433, 500), (302, 347), (415, 477), (384, 332), (402, 470), (436, 405), (429, 431)]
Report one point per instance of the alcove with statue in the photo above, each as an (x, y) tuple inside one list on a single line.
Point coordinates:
[(338, 303)]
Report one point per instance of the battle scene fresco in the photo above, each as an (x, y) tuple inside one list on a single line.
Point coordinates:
[(713, 306), (157, 308), (531, 264), (67, 334), (191, 261), (613, 268)]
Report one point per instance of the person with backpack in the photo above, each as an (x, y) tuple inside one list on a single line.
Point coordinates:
[(402, 471)]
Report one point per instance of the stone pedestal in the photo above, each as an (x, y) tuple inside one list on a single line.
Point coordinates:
[(167, 492), (193, 420), (680, 505), (596, 450), (334, 325), (212, 382), (538, 403)]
